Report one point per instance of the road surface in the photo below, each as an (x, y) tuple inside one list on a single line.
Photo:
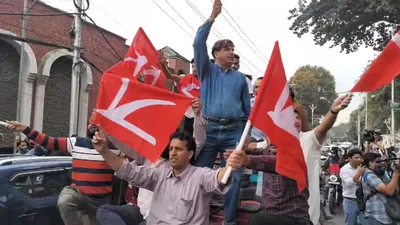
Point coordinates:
[(338, 219)]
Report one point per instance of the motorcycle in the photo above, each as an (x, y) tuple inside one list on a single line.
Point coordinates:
[(335, 187)]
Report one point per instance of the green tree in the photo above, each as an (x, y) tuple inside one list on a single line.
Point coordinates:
[(341, 132), (314, 85), (347, 23), (378, 110)]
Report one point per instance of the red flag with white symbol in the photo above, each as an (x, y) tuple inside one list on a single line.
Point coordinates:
[(383, 70), (189, 86), (142, 58), (139, 115), (273, 113)]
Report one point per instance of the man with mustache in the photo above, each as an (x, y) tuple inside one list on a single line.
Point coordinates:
[(137, 215), (91, 176), (377, 188), (225, 95), (181, 192)]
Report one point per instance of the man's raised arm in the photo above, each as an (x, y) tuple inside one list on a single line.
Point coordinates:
[(330, 118), (199, 131), (50, 143), (201, 58), (139, 176)]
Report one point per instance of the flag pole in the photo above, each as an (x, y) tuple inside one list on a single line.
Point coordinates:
[(238, 148), (392, 108)]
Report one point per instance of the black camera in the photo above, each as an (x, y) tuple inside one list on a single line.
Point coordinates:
[(369, 135)]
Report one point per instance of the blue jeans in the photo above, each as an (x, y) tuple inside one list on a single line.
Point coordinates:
[(351, 212), (221, 138), (119, 215), (372, 221)]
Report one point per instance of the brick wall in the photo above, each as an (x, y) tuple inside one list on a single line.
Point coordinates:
[(9, 67), (178, 64), (55, 29)]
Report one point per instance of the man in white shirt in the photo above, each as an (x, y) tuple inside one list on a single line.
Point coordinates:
[(350, 183), (311, 143)]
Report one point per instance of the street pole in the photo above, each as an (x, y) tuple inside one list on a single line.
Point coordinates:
[(366, 111), (358, 128), (392, 112), (18, 136), (73, 119), (312, 107), (392, 108)]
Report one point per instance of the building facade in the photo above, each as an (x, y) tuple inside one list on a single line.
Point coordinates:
[(46, 75), (45, 91)]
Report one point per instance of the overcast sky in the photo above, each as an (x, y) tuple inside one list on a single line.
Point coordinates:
[(263, 22)]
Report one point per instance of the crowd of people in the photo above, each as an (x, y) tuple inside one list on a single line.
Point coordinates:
[(370, 181), (178, 188)]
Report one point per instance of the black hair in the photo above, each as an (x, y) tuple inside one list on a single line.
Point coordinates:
[(291, 91), (249, 76), (260, 78), (212, 60), (165, 153), (185, 136), (190, 142), (370, 157), (192, 61), (236, 56), (353, 152), (220, 44), (181, 72)]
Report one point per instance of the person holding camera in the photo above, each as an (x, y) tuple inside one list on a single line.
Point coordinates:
[(374, 143), (378, 190)]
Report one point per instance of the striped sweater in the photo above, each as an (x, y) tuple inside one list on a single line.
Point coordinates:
[(91, 175)]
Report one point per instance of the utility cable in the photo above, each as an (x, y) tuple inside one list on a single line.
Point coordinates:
[(33, 14), (172, 19), (240, 35), (234, 21), (79, 8), (194, 8), (104, 37), (44, 43)]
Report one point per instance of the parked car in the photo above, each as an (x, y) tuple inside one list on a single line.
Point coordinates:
[(29, 191), (26, 159)]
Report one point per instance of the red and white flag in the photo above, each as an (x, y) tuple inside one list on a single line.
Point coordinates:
[(273, 113), (139, 115), (189, 86), (142, 57), (383, 70)]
